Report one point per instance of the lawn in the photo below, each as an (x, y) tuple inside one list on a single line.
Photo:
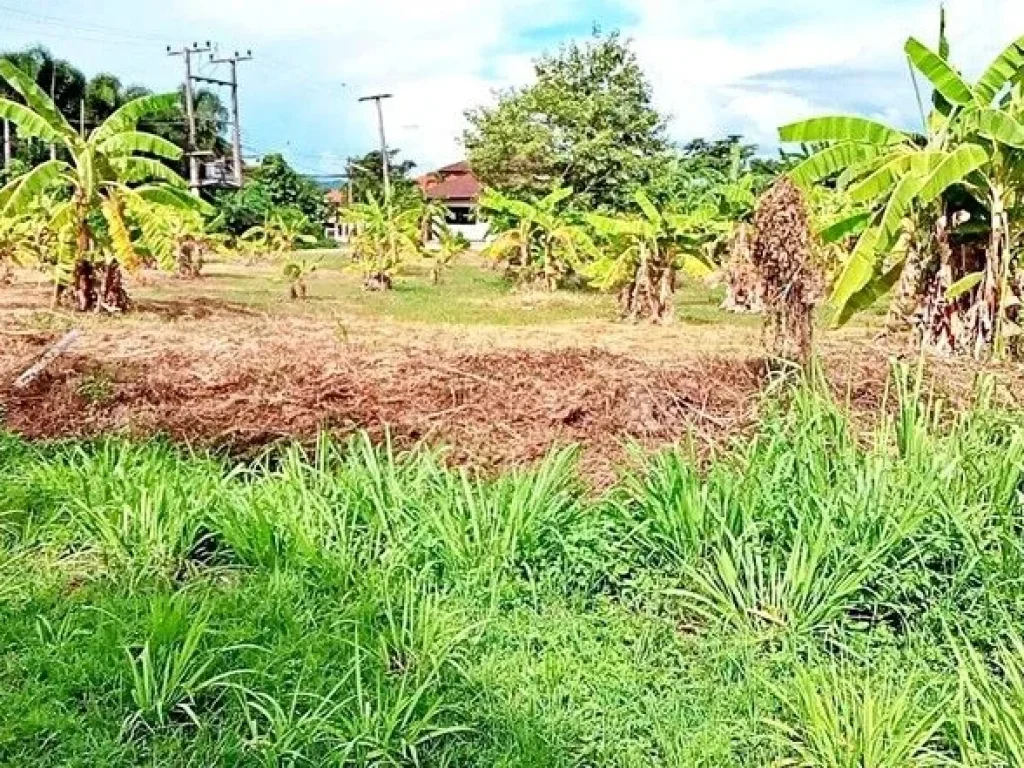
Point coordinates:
[(472, 292)]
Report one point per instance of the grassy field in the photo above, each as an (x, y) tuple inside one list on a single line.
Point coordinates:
[(471, 293), (806, 597)]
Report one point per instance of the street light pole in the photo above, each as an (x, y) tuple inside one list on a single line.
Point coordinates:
[(378, 98)]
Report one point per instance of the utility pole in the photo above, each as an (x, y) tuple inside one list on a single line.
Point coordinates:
[(190, 113), (233, 84), (81, 117), (7, 143), (53, 90), (378, 98)]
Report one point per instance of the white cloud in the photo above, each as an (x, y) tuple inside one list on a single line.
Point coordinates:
[(717, 66)]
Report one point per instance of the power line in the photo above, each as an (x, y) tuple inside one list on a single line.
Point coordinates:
[(62, 21), (38, 35)]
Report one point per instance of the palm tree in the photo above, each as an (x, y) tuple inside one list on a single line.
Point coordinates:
[(644, 251), (102, 177), (541, 240), (904, 180)]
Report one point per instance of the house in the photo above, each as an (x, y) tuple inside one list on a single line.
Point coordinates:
[(334, 228), (456, 187)]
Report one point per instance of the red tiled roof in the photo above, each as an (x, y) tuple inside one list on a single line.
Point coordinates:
[(459, 187), (452, 182)]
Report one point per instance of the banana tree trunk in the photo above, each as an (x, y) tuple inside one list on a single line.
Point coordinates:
[(910, 290), (113, 297), (990, 323), (650, 295)]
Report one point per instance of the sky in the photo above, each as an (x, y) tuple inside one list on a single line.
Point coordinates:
[(717, 66)]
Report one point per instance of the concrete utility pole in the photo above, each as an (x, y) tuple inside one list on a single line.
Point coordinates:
[(7, 143), (385, 163), (190, 112), (233, 84)]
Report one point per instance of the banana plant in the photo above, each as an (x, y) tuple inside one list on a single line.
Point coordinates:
[(278, 235), (387, 234), (297, 271), (972, 139), (177, 240), (18, 247), (643, 251), (450, 245), (97, 178), (541, 240)]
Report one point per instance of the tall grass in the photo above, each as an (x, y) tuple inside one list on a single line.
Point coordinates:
[(354, 604)]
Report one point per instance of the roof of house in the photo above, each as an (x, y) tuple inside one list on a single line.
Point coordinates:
[(452, 182), (460, 167), (460, 187)]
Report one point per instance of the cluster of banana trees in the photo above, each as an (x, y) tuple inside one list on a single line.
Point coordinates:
[(389, 234), (938, 213), (102, 198), (635, 254)]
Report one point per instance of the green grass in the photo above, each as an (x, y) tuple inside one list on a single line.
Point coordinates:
[(812, 596), (470, 293)]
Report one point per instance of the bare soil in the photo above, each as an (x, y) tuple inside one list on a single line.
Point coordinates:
[(225, 377)]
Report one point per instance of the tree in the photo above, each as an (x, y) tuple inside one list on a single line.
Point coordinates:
[(287, 189), (586, 123), (102, 194), (908, 184), (366, 174), (450, 245), (540, 241), (281, 233), (102, 96), (643, 251), (386, 236)]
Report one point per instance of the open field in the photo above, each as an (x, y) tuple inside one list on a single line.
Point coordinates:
[(497, 376), (537, 537)]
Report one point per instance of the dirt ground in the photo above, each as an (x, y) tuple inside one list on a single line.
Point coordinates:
[(219, 375)]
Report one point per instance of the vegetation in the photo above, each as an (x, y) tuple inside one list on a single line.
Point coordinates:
[(95, 194), (782, 256), (918, 191), (272, 191), (644, 252), (388, 233), (810, 598), (587, 123), (366, 175), (542, 241)]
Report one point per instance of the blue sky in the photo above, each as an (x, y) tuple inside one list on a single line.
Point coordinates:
[(717, 66)]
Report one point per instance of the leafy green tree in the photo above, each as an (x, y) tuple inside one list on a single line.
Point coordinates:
[(101, 190), (587, 123), (287, 189), (239, 210), (367, 176)]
